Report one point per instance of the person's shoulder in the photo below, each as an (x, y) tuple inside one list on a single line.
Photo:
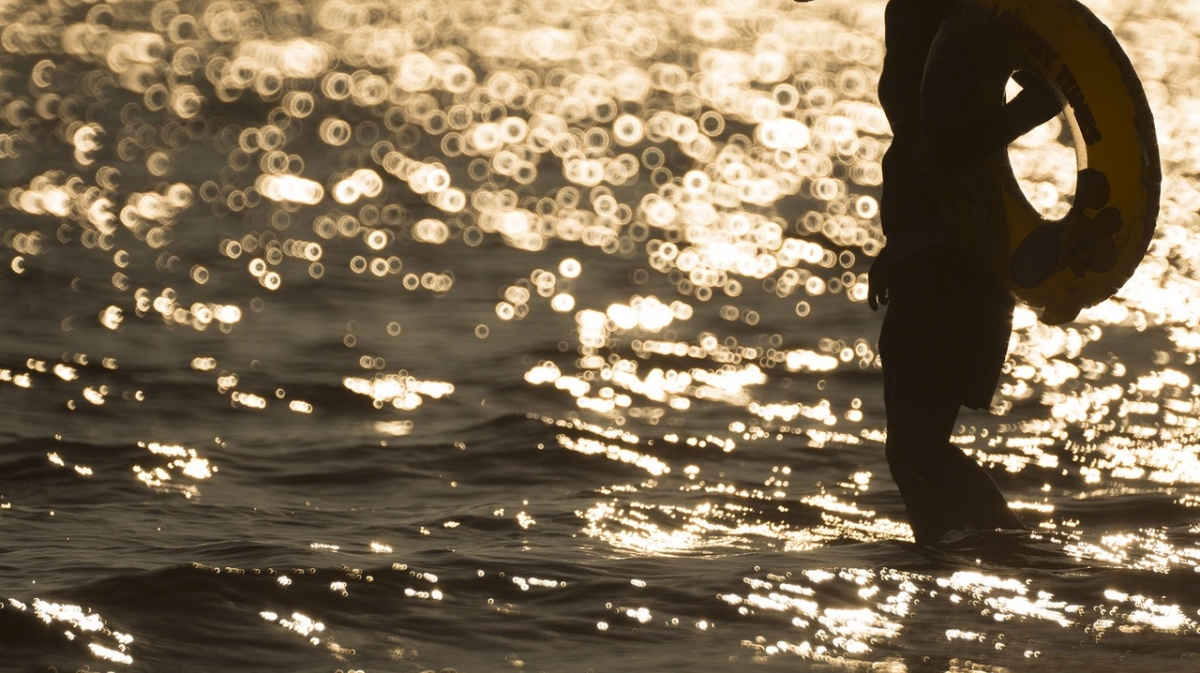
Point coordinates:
[(919, 8), (909, 16)]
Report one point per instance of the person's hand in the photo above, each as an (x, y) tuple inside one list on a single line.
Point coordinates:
[(1036, 93), (879, 281)]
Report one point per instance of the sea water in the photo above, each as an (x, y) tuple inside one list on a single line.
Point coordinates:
[(532, 336)]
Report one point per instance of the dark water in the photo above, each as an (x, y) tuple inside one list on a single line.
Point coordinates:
[(578, 376)]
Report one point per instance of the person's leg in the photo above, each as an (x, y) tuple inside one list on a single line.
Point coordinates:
[(913, 429), (943, 488), (986, 507)]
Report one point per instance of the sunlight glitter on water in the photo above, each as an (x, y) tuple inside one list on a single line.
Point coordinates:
[(724, 156), (842, 636), (174, 463), (697, 226), (81, 623), (267, 68)]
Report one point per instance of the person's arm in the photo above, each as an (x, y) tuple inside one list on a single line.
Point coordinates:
[(1033, 106), (879, 280)]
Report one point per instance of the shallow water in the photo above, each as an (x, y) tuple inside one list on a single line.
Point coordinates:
[(366, 336)]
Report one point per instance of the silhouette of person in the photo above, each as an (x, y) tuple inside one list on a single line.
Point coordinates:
[(947, 326)]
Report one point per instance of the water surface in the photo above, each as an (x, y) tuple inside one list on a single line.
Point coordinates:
[(369, 336)]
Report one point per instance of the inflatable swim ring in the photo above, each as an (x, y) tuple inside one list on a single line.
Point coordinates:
[(1057, 267)]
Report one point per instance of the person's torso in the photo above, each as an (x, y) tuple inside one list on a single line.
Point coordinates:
[(907, 202)]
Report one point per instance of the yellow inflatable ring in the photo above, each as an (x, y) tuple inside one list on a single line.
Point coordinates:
[(1058, 267)]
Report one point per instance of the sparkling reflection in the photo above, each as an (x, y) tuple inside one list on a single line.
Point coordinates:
[(174, 462), (650, 225), (79, 624)]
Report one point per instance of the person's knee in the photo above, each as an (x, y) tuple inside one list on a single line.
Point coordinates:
[(903, 456), (921, 456)]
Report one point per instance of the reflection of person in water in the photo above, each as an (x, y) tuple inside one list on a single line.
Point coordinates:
[(945, 335)]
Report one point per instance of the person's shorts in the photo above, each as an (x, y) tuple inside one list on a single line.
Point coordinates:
[(947, 327)]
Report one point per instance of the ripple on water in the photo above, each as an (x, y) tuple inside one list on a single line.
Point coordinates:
[(552, 317)]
